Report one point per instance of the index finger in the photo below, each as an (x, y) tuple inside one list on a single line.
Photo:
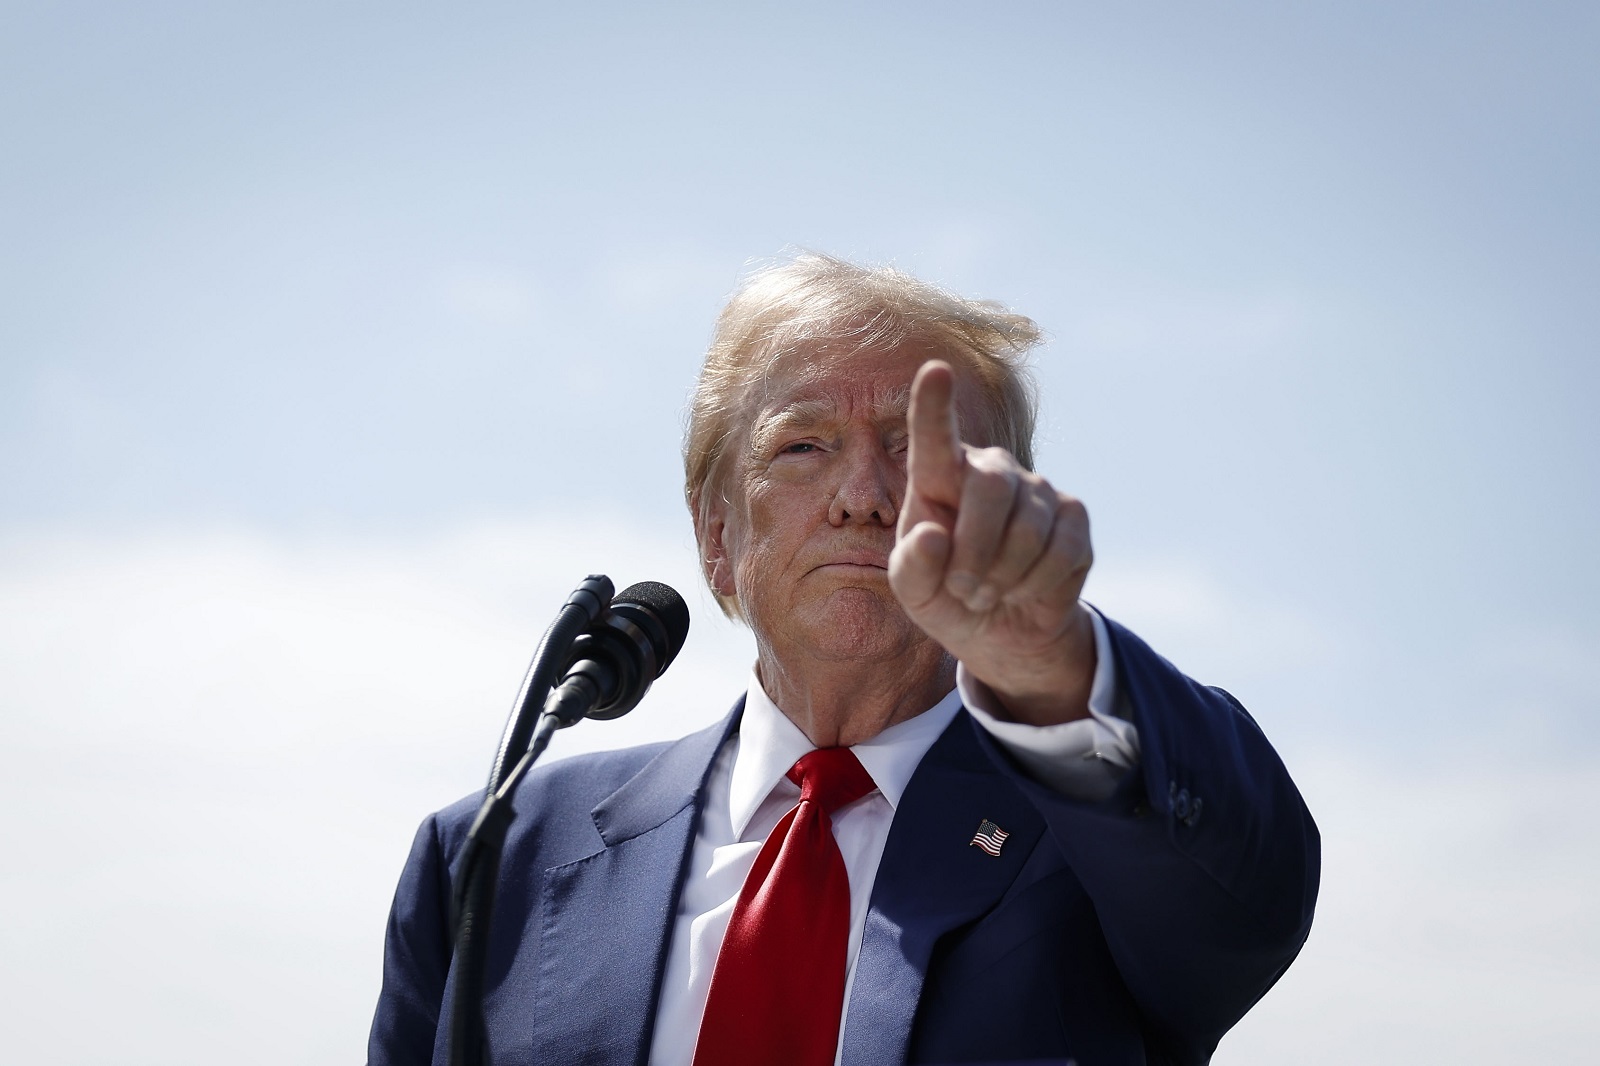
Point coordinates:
[(933, 467)]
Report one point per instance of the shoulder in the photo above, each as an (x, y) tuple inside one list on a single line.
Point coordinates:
[(552, 792), (556, 805)]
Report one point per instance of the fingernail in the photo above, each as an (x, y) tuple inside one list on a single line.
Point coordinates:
[(985, 598), (961, 585)]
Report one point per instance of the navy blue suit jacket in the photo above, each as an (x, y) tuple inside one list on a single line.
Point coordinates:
[(1134, 930)]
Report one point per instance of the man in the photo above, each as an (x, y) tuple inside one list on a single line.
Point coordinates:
[(958, 816)]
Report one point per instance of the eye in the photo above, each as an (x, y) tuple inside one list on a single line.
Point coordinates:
[(799, 447)]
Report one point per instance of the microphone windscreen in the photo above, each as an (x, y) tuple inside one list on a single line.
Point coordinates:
[(664, 602)]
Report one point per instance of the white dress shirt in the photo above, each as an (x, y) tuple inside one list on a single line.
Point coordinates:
[(748, 793)]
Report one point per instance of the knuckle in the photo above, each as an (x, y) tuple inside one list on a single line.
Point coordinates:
[(993, 483), (991, 458), (1032, 529), (999, 460)]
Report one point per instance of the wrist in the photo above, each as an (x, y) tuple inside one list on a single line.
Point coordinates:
[(1052, 685)]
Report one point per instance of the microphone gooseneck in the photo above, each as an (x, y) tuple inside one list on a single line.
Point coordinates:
[(607, 650), (587, 602)]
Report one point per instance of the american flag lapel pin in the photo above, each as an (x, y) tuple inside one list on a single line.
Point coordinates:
[(989, 837)]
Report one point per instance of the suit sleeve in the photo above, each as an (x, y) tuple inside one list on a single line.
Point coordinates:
[(1203, 866), (416, 958), (1085, 759)]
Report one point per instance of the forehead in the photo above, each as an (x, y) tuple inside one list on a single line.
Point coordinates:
[(831, 381), (821, 380), (860, 384)]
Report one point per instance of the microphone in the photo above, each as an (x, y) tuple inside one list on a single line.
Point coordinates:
[(623, 643), (614, 660)]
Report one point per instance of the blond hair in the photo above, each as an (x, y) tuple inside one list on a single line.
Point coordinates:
[(811, 300)]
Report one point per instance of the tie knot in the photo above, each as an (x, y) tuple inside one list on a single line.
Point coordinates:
[(831, 778)]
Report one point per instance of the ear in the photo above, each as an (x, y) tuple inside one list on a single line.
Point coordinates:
[(711, 534)]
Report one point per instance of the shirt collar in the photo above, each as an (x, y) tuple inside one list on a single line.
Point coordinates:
[(769, 744)]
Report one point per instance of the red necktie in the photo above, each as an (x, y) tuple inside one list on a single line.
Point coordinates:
[(778, 986)]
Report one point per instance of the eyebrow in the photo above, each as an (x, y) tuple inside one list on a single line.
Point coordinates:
[(892, 406)]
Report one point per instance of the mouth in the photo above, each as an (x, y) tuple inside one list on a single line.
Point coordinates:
[(856, 562)]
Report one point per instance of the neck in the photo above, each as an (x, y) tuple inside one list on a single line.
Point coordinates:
[(837, 704)]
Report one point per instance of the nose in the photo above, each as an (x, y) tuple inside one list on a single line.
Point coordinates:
[(869, 489)]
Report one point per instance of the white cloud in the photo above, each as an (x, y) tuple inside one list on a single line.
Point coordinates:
[(1456, 921), (216, 747)]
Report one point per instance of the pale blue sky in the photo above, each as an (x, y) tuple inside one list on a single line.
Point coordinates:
[(336, 305)]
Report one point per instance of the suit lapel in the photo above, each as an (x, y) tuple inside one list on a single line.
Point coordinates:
[(606, 918), (930, 881)]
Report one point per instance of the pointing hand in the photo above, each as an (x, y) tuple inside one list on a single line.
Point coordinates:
[(989, 560)]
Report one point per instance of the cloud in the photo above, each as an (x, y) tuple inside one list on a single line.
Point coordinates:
[(1456, 921), (216, 748), (216, 745)]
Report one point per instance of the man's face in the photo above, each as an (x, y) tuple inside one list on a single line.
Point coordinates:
[(802, 529)]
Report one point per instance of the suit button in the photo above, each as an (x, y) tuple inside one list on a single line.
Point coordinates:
[(1194, 811), (1180, 805)]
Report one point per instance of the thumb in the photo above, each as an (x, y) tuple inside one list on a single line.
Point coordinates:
[(917, 564)]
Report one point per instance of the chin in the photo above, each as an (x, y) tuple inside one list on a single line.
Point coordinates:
[(856, 624)]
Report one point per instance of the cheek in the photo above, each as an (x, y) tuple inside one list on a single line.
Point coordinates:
[(773, 511), (770, 540)]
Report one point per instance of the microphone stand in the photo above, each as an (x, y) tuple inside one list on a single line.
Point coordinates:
[(526, 735)]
